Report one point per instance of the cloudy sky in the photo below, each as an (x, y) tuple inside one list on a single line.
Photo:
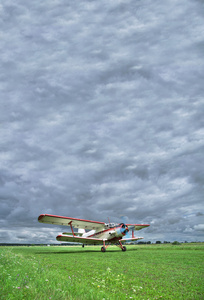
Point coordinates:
[(101, 115)]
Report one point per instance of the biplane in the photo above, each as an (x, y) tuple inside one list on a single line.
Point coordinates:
[(93, 232)]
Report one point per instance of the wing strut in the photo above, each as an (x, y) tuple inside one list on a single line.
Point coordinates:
[(133, 233), (70, 224)]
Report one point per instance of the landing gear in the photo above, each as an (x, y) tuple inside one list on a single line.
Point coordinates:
[(119, 244), (103, 249), (83, 246)]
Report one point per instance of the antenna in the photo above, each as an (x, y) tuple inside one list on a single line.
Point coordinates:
[(108, 220)]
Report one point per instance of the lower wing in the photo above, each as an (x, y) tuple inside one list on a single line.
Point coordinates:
[(71, 238), (131, 239), (92, 241)]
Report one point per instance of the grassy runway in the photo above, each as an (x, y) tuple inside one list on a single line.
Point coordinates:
[(142, 272)]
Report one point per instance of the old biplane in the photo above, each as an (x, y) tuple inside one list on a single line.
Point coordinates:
[(93, 232)]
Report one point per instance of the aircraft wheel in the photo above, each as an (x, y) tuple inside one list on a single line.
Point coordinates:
[(124, 248), (103, 249), (83, 246)]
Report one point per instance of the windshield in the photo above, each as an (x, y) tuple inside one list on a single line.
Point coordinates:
[(111, 225)]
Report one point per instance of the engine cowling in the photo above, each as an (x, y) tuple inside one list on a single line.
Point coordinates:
[(124, 229), (121, 230)]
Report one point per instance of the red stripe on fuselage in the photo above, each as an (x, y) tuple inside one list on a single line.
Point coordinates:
[(103, 231)]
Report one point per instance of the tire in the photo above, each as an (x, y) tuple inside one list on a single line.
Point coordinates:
[(103, 249), (124, 248)]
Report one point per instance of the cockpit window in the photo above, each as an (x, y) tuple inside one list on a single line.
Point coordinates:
[(111, 225)]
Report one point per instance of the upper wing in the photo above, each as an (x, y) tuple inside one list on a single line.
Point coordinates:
[(71, 238), (77, 223), (137, 226)]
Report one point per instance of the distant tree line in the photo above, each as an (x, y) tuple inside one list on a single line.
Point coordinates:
[(74, 244)]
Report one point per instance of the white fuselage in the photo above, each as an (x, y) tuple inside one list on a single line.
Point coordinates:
[(107, 234)]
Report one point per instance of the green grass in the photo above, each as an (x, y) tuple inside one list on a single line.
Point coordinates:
[(142, 272)]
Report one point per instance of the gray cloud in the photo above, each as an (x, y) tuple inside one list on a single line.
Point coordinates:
[(102, 115)]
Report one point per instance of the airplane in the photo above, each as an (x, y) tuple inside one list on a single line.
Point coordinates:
[(93, 232)]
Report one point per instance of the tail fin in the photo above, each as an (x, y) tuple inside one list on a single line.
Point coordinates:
[(81, 231)]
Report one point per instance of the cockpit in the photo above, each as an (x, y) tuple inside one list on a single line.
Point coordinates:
[(111, 225)]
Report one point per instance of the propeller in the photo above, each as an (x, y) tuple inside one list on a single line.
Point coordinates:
[(128, 235), (123, 229), (127, 232)]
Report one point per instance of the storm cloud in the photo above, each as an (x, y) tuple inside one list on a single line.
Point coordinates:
[(101, 109)]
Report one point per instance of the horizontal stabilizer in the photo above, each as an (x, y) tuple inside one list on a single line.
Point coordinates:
[(70, 233)]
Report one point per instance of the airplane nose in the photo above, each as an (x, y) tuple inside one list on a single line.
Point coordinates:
[(124, 229)]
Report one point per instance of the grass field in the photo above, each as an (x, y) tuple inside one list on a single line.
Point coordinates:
[(142, 272)]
